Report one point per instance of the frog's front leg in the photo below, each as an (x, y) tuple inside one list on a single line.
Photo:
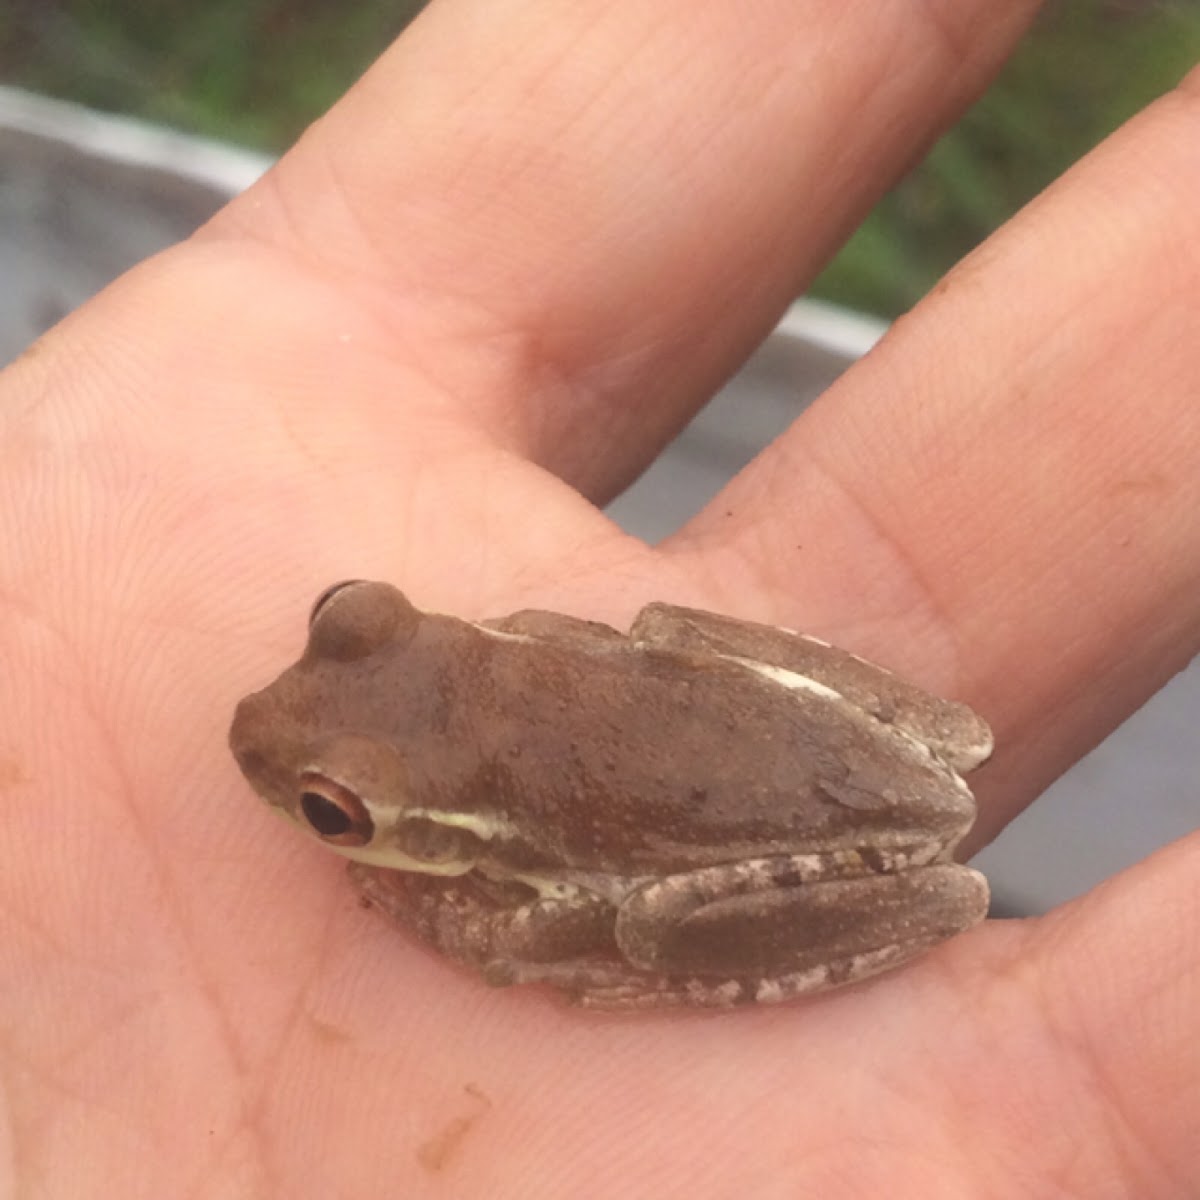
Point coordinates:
[(956, 734), (796, 923), (496, 927)]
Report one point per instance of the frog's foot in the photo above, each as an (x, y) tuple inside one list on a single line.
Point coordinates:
[(615, 986), (701, 992), (606, 983)]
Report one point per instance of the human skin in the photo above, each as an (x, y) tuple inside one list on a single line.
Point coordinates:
[(471, 304)]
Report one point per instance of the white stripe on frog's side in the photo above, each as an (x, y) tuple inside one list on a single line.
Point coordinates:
[(811, 637), (378, 856), (816, 641), (394, 860), (793, 681), (501, 635), (387, 816), (484, 826)]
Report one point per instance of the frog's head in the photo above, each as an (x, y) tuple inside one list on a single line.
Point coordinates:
[(323, 744)]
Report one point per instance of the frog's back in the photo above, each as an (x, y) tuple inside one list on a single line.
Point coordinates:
[(649, 755)]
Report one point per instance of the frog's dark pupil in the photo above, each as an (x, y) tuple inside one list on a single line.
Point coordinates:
[(327, 818)]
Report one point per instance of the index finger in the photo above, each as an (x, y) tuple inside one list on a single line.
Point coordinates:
[(576, 219)]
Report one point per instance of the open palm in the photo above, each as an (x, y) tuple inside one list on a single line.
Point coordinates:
[(470, 305)]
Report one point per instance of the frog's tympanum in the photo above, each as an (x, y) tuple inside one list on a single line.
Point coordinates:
[(702, 811)]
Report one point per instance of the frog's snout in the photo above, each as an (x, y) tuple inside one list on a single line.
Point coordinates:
[(249, 734)]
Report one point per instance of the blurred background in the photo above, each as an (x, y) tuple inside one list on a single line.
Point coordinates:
[(256, 72), (124, 124)]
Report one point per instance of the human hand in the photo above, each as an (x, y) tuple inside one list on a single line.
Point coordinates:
[(471, 304)]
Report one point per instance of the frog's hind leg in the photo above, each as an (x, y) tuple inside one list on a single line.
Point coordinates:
[(795, 923), (951, 730)]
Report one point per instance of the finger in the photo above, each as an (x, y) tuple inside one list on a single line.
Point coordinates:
[(1015, 467), (575, 218), (1116, 982)]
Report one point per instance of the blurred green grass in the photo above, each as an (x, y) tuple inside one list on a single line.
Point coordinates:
[(257, 72), (1086, 68)]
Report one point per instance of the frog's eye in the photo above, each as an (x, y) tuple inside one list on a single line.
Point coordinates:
[(327, 595), (334, 813), (355, 618)]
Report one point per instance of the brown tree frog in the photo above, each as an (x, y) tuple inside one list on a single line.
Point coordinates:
[(702, 811)]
